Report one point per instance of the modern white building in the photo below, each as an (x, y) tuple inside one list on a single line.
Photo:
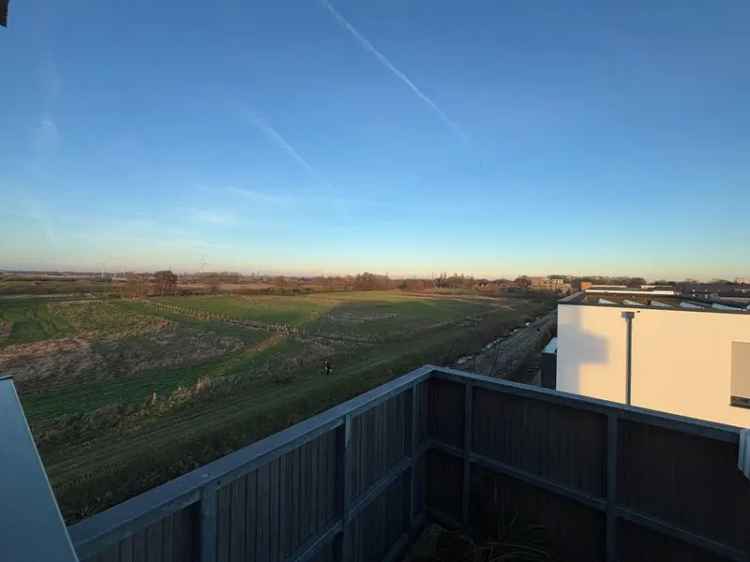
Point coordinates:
[(679, 356)]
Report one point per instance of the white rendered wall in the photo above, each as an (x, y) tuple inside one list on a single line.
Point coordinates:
[(681, 358)]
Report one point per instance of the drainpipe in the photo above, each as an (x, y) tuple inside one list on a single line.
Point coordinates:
[(628, 316)]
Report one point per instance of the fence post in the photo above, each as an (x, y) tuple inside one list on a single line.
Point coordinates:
[(612, 438), (208, 523), (468, 416), (344, 462)]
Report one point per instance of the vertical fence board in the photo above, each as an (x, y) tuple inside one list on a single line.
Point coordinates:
[(237, 517), (263, 519), (169, 538), (420, 490), (223, 529), (154, 545), (445, 475), (139, 547), (251, 514), (296, 512), (304, 519), (208, 518), (611, 482), (307, 495), (315, 487), (344, 487), (184, 530), (126, 550), (467, 442), (273, 511), (286, 506), (422, 413), (411, 412), (446, 407), (322, 482)]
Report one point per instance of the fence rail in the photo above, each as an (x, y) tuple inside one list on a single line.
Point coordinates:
[(607, 482)]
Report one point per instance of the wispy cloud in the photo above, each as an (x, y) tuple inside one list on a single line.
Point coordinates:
[(368, 46), (276, 138)]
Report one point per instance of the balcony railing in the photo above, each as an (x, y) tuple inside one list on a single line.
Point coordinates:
[(357, 482)]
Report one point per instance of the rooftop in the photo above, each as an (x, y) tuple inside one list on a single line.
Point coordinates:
[(650, 299)]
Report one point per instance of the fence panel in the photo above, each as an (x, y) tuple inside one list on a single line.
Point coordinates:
[(619, 475), (558, 443), (170, 539), (605, 481), (510, 507), (686, 480), (380, 438), (445, 404), (444, 483), (270, 513), (382, 524), (637, 544)]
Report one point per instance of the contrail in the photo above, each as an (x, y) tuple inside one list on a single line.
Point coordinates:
[(275, 137), (342, 21)]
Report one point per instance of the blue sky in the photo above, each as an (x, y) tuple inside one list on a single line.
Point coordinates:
[(490, 138)]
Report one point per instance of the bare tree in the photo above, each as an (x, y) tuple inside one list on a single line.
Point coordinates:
[(523, 282), (214, 284), (166, 282)]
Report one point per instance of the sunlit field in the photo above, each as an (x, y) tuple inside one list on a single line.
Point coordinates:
[(124, 394)]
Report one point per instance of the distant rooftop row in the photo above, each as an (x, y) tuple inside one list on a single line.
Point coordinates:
[(650, 296)]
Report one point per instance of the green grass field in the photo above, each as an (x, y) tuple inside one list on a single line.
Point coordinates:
[(122, 395), (31, 320)]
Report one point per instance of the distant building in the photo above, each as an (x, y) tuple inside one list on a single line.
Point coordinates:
[(550, 284), (681, 355)]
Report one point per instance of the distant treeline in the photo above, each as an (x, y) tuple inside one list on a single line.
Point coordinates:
[(165, 282)]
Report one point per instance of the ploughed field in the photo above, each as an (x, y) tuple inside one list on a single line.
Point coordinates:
[(122, 395)]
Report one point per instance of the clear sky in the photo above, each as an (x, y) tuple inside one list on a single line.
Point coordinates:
[(489, 138)]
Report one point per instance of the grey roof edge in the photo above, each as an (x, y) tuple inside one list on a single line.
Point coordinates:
[(703, 310), (45, 518)]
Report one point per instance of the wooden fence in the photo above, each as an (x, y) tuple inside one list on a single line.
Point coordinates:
[(607, 482)]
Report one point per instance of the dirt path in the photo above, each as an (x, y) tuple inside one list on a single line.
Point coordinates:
[(505, 356)]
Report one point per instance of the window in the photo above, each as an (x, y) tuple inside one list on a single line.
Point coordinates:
[(740, 374)]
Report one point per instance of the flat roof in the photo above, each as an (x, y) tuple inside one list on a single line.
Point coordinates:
[(651, 300), (627, 291)]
